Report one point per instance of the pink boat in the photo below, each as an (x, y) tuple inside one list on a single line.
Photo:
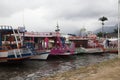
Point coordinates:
[(60, 45)]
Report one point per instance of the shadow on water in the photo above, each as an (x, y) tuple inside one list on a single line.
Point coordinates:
[(61, 58), (34, 69)]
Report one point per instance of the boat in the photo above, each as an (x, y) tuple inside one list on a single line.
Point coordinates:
[(11, 45), (60, 46), (86, 45), (111, 45)]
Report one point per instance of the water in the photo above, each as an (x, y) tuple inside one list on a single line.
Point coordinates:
[(35, 69)]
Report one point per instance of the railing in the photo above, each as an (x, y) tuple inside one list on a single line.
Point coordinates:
[(5, 48), (19, 52)]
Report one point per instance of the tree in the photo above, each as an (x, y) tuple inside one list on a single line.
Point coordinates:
[(115, 30), (99, 34), (102, 19)]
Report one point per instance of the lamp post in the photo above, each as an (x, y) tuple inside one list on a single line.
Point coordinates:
[(118, 29)]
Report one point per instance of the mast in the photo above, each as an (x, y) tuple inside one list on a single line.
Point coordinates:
[(57, 30), (23, 20), (58, 35)]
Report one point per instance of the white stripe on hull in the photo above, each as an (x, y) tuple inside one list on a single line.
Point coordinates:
[(4, 54)]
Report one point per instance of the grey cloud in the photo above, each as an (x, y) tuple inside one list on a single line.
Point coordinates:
[(93, 10), (9, 7), (59, 8), (66, 10), (81, 9)]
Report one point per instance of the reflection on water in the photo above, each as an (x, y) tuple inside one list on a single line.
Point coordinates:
[(33, 70)]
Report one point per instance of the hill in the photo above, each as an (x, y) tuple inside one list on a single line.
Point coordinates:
[(107, 29)]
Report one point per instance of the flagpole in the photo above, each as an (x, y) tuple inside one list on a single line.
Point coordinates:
[(118, 28)]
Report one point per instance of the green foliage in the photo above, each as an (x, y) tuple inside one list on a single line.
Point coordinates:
[(99, 34), (115, 30), (103, 19)]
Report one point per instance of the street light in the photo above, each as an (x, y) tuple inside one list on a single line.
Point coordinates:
[(118, 29)]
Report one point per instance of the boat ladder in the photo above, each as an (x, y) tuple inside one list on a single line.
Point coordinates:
[(17, 44)]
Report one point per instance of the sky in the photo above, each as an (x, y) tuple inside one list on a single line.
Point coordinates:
[(71, 15)]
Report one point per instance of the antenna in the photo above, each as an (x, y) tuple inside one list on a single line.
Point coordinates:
[(23, 19)]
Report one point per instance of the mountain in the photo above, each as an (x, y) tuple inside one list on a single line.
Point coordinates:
[(107, 29)]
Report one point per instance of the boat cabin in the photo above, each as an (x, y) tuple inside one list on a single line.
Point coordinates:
[(79, 42)]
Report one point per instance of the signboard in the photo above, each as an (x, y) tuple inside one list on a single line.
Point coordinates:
[(41, 34)]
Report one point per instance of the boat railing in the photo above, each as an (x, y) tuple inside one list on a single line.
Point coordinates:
[(5, 48), (19, 52)]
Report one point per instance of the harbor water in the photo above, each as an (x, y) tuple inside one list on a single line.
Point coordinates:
[(35, 69)]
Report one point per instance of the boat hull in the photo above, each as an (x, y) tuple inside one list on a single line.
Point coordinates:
[(88, 50), (15, 55), (41, 55)]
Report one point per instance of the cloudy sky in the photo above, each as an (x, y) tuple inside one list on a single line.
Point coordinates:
[(71, 15)]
